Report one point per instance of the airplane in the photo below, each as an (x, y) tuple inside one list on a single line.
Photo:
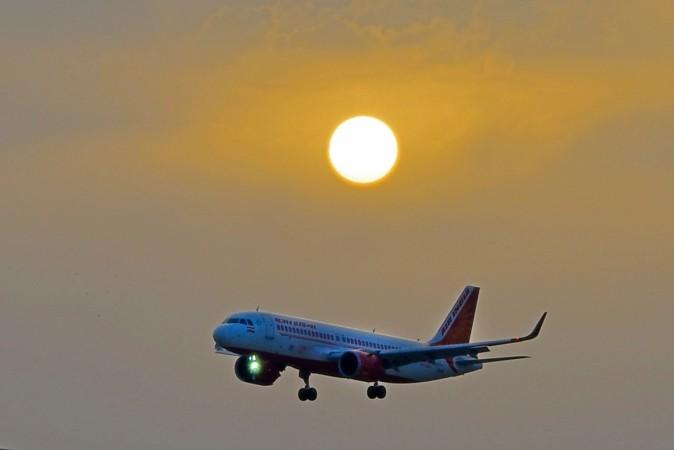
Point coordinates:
[(266, 343)]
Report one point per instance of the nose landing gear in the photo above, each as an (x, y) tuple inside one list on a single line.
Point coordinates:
[(307, 392), (376, 391)]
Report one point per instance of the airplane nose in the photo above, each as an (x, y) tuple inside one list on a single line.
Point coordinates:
[(221, 335)]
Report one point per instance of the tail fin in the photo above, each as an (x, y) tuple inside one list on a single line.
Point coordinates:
[(457, 326)]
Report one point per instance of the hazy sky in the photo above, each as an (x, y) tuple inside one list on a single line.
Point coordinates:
[(163, 164)]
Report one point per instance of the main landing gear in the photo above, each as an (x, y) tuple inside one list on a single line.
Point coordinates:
[(376, 391), (307, 392)]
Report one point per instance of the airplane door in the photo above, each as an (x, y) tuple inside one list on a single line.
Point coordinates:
[(268, 327)]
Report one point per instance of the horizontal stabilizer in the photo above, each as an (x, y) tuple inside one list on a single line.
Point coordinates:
[(468, 362)]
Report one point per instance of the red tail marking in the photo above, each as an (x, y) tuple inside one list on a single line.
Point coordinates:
[(459, 330)]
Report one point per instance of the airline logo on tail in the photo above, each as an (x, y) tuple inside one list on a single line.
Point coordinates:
[(456, 310), (459, 322)]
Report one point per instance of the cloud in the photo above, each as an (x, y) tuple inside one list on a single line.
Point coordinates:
[(500, 86), (478, 88)]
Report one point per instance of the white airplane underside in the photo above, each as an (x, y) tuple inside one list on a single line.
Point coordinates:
[(266, 343)]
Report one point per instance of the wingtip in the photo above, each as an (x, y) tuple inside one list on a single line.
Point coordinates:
[(539, 325)]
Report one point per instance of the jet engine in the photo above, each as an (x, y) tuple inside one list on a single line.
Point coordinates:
[(465, 364), (255, 370), (360, 365)]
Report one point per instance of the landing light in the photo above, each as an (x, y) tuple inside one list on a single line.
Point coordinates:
[(254, 365)]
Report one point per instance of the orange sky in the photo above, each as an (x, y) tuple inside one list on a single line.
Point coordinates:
[(163, 164)]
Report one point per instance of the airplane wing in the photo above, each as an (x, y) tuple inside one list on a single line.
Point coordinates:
[(403, 356), (222, 351)]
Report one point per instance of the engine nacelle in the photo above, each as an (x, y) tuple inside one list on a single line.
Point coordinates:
[(464, 364), (360, 365), (255, 370)]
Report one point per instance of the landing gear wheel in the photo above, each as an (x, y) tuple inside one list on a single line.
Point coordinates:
[(307, 392), (376, 391), (380, 391), (372, 392)]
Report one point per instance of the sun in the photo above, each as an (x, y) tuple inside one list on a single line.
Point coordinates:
[(363, 149)]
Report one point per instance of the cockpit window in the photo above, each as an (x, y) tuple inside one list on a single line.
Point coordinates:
[(239, 320)]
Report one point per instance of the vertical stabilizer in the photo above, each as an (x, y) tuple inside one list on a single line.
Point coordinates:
[(456, 327)]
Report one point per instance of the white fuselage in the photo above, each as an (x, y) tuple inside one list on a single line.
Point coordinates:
[(315, 346)]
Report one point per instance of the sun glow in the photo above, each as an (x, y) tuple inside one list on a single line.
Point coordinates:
[(363, 149)]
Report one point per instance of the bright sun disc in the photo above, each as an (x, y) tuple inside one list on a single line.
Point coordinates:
[(363, 149)]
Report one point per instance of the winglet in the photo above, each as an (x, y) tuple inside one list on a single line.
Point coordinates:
[(536, 330)]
